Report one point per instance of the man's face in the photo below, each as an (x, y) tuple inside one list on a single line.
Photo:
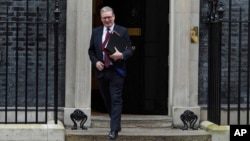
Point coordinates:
[(107, 19)]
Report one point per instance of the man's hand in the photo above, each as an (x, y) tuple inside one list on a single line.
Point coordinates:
[(99, 65), (117, 55)]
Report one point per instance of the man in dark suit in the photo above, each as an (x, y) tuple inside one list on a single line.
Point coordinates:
[(110, 75)]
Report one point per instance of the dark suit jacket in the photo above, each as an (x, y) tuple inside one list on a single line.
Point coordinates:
[(96, 54)]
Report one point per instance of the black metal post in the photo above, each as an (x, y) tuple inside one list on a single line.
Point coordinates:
[(229, 62), (215, 15), (7, 63), (37, 61), (239, 70), (26, 62), (47, 62), (17, 65), (56, 29)]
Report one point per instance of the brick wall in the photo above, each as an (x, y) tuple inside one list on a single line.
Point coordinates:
[(15, 77), (239, 47)]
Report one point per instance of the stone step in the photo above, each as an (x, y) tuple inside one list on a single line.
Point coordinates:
[(148, 121), (136, 128), (138, 134)]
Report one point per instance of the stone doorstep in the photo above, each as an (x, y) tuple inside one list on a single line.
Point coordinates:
[(134, 121), (136, 128), (138, 134), (32, 132)]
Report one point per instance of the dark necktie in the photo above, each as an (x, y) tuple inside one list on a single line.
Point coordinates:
[(106, 58)]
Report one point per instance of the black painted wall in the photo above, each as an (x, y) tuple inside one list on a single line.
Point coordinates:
[(13, 84)]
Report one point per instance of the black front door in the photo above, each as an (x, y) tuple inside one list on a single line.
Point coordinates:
[(146, 85)]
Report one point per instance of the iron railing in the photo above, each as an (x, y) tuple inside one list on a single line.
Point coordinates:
[(30, 62), (228, 62)]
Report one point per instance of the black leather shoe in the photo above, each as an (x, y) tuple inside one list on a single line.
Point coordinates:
[(113, 135)]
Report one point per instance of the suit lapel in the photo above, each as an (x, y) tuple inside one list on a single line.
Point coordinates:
[(117, 29), (100, 32)]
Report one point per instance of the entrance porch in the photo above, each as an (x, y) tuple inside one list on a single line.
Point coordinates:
[(182, 59)]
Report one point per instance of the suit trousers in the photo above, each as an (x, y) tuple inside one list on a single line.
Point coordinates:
[(111, 88)]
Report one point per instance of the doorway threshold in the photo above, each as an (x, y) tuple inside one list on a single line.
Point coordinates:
[(101, 120)]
